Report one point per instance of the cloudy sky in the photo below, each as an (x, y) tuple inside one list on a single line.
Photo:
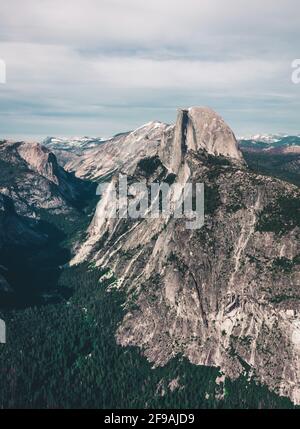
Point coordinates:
[(98, 67)]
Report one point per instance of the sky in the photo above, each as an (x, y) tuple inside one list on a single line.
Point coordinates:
[(99, 67)]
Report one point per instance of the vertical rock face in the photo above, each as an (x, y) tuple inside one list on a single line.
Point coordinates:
[(32, 178), (226, 295), (41, 160), (208, 131), (198, 128), (173, 148), (33, 188)]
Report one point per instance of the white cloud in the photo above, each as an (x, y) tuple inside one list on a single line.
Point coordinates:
[(94, 58), (125, 23)]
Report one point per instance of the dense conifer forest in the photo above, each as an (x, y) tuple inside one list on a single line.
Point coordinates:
[(64, 355)]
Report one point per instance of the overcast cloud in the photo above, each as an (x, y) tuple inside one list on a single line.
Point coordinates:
[(98, 67)]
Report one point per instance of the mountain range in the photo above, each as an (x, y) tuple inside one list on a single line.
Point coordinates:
[(215, 295), (223, 296)]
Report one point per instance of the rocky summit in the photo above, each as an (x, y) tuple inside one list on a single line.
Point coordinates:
[(199, 129), (225, 295)]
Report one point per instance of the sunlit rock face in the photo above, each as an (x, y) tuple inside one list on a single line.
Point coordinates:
[(40, 159), (120, 152), (34, 190), (196, 128), (199, 128), (208, 131), (34, 180), (225, 295)]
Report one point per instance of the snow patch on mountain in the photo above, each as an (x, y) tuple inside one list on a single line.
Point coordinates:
[(66, 143)]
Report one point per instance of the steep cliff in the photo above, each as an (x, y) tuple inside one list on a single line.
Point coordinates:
[(225, 295), (40, 203), (32, 178), (196, 129), (122, 150)]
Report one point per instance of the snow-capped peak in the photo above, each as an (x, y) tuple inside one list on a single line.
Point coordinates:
[(68, 143), (265, 138)]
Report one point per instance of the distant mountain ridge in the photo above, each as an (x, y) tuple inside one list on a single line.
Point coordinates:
[(267, 138), (68, 149), (72, 143), (271, 143)]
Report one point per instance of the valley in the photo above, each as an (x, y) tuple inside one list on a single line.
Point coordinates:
[(103, 315)]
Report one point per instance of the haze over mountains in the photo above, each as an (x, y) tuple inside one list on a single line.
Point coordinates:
[(225, 295)]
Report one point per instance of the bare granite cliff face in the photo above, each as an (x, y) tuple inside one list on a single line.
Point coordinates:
[(225, 295), (198, 128), (41, 160), (32, 178), (122, 150)]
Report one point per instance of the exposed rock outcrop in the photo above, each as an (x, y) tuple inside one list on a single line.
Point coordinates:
[(122, 151), (226, 295), (34, 189), (32, 178), (195, 129), (198, 128)]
